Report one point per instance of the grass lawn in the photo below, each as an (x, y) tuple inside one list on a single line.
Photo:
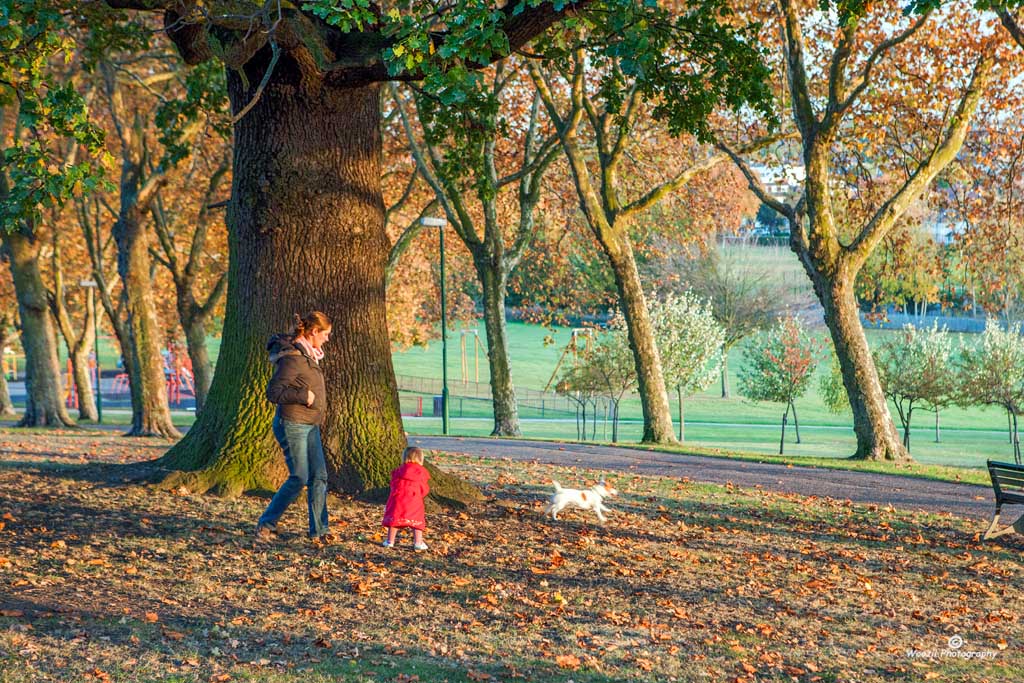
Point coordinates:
[(967, 437), (105, 580)]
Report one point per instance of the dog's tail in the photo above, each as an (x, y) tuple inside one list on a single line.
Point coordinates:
[(558, 487)]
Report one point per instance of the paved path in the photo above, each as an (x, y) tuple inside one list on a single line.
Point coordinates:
[(965, 500)]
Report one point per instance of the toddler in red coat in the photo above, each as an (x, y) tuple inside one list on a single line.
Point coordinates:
[(405, 504)]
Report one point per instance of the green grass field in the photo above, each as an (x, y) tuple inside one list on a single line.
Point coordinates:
[(968, 437)]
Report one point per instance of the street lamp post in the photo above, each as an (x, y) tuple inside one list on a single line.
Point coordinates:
[(432, 222), (91, 285)]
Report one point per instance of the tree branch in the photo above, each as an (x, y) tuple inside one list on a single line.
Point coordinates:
[(345, 59), (1010, 24), (404, 240), (941, 156), (218, 290), (656, 194), (865, 78), (793, 45), (755, 184)]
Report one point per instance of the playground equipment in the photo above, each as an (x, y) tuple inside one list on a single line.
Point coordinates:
[(177, 373), (71, 387), (581, 341), (477, 345), (10, 364)]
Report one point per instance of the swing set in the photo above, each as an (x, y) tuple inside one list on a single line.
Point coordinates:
[(477, 346), (581, 342)]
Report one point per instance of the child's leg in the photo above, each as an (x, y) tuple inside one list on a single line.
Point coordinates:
[(392, 533), (417, 536)]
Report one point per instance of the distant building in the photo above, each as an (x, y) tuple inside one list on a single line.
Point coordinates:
[(781, 181)]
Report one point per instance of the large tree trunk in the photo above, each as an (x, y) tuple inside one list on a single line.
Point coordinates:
[(503, 392), (650, 379), (306, 231), (44, 401), (877, 438), (151, 413)]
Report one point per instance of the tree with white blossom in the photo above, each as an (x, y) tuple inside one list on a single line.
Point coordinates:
[(915, 369), (992, 373), (690, 342)]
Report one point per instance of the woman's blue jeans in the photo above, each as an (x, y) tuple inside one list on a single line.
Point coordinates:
[(304, 455)]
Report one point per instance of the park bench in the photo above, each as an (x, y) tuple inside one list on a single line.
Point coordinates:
[(1008, 484)]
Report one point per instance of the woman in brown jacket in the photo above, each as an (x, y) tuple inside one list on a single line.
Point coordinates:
[(297, 387)]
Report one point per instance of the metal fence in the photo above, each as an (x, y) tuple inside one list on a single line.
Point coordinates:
[(531, 402), (953, 323)]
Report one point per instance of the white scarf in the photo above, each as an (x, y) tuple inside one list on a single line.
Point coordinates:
[(316, 354)]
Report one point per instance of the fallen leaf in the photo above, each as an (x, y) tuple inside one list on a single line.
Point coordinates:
[(567, 661)]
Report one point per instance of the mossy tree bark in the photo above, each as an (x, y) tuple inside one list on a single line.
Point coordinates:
[(44, 401), (306, 231), (650, 378)]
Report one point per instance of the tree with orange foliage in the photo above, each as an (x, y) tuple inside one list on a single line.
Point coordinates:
[(891, 109), (193, 249), (982, 196), (615, 189)]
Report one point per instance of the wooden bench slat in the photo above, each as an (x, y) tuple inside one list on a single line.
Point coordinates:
[(1007, 482)]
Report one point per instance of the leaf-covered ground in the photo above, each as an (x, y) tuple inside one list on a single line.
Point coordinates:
[(102, 580)]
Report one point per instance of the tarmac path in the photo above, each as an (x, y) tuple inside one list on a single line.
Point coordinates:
[(911, 493)]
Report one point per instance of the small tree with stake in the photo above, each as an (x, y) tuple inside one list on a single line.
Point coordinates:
[(778, 368), (992, 373), (606, 370)]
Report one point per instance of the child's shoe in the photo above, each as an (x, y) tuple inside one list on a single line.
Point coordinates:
[(419, 547), (387, 544)]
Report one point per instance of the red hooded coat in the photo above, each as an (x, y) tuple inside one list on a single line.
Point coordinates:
[(405, 504)]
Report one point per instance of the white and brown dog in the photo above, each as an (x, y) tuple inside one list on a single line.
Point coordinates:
[(586, 499)]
